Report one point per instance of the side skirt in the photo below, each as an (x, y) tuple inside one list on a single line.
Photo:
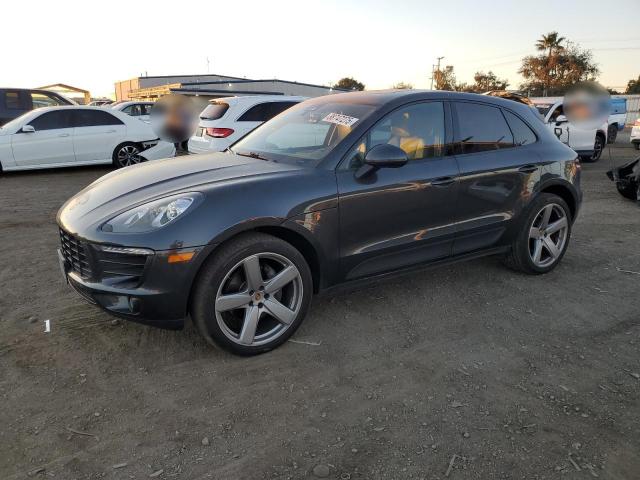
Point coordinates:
[(364, 282)]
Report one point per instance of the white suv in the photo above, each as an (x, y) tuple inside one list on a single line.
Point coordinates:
[(226, 120), (587, 142)]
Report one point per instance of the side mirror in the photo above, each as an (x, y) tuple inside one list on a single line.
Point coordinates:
[(28, 129), (560, 119), (382, 156), (386, 156)]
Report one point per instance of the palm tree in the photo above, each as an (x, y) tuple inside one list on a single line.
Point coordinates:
[(553, 43), (550, 41)]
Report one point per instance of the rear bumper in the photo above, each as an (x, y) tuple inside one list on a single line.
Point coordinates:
[(198, 145), (161, 150), (159, 299), (207, 144)]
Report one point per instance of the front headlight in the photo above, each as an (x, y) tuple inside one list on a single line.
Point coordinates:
[(153, 215)]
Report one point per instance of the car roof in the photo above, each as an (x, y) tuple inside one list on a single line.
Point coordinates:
[(120, 105), (380, 98), (259, 98)]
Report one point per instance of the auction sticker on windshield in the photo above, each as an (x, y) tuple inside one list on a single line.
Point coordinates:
[(340, 119)]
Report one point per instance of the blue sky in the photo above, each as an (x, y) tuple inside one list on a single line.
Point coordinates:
[(95, 43)]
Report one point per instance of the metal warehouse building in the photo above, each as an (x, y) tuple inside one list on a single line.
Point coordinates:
[(211, 86)]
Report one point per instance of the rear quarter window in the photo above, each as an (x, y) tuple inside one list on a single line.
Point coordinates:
[(214, 111), (522, 134)]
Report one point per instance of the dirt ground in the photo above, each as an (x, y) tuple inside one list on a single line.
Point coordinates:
[(469, 371)]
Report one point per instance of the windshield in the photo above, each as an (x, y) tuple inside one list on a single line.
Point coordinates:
[(16, 121), (543, 108), (305, 133)]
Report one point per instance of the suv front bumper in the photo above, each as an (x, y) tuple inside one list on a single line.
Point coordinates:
[(159, 297)]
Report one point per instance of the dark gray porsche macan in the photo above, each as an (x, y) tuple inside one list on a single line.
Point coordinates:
[(336, 189)]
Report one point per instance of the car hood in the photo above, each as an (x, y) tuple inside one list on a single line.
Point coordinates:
[(131, 186)]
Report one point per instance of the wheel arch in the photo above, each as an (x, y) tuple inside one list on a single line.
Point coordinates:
[(565, 193), (276, 229)]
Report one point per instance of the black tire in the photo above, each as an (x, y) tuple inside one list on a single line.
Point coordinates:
[(637, 146), (612, 133), (118, 162), (598, 147), (215, 270), (519, 257)]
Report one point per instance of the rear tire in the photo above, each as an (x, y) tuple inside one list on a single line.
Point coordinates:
[(536, 235), (637, 146), (127, 154), (252, 295)]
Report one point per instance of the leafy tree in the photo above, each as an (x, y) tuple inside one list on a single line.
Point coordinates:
[(402, 86), (445, 79), (349, 83), (553, 73), (633, 87), (485, 82)]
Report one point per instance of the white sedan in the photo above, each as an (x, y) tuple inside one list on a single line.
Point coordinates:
[(139, 110), (78, 135)]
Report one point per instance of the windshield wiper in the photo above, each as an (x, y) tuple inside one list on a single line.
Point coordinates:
[(252, 155)]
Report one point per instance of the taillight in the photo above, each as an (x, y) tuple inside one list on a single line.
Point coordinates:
[(218, 132)]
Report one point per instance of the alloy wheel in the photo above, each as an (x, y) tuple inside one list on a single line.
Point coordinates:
[(258, 299), (129, 155), (548, 235)]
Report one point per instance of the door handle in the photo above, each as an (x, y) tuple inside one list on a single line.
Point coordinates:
[(442, 181), (528, 169), (111, 131), (63, 135)]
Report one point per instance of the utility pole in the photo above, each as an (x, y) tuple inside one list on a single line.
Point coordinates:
[(437, 69)]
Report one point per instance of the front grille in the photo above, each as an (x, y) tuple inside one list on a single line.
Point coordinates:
[(75, 254)]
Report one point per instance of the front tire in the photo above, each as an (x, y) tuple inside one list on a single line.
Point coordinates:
[(543, 238), (252, 295), (598, 147)]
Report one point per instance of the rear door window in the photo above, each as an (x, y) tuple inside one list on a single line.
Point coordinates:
[(264, 111), (481, 128), (52, 120), (93, 118), (214, 111), (12, 101)]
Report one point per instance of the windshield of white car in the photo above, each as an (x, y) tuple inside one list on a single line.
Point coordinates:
[(543, 108), (305, 133), (15, 122)]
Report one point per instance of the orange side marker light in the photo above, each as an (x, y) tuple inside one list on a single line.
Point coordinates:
[(180, 257)]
